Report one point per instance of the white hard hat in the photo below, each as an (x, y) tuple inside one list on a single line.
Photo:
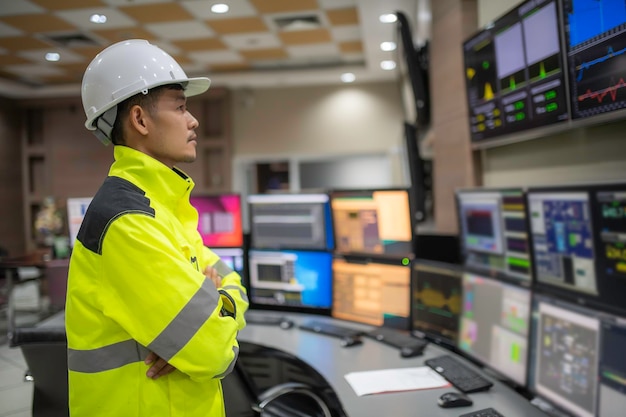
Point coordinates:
[(122, 70)]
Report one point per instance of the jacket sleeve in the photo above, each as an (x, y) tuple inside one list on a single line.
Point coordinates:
[(232, 287), (152, 286)]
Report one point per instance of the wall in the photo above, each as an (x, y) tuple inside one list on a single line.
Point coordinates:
[(11, 215), (595, 153)]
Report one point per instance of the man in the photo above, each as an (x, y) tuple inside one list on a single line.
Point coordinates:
[(152, 315)]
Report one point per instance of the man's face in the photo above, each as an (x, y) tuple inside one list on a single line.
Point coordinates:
[(172, 137)]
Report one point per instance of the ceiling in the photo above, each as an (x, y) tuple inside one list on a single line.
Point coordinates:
[(257, 43)]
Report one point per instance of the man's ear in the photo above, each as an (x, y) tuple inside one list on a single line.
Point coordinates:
[(137, 119)]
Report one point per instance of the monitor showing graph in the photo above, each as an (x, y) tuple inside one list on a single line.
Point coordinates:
[(595, 38), (494, 232), (375, 223), (495, 325), (219, 219), (371, 292), (290, 280), (513, 72), (436, 295)]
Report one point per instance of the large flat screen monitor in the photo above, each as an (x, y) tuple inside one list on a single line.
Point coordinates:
[(371, 292), (495, 326), (566, 354), (514, 72), (219, 219), (436, 295), (290, 280), (595, 39), (579, 242), (494, 232), (376, 223), (290, 221)]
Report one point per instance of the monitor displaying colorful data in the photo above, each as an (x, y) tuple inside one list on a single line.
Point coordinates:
[(514, 74), (565, 355), (436, 295), (371, 293), (493, 232), (579, 242), (76, 209), (219, 219), (495, 325), (290, 280), (290, 221), (375, 223), (595, 39)]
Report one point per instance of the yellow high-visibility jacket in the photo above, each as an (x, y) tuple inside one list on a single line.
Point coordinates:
[(136, 285)]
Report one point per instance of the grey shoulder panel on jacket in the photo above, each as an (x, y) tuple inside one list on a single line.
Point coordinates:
[(115, 198)]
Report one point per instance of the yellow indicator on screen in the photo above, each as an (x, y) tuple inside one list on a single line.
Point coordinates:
[(470, 73), (515, 353), (488, 92)]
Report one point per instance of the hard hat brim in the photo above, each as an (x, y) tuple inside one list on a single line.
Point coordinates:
[(197, 86)]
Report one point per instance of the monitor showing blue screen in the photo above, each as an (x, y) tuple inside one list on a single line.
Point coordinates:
[(289, 279), (595, 38)]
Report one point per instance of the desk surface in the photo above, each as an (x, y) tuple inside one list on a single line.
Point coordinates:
[(333, 362)]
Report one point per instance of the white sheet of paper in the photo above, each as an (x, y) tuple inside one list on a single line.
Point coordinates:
[(393, 380)]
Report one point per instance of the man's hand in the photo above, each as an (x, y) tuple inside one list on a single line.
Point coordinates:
[(212, 274), (159, 366)]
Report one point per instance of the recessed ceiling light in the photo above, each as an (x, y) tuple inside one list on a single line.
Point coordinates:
[(53, 56), (348, 77), (388, 65), (388, 18), (98, 18), (219, 8), (388, 46)]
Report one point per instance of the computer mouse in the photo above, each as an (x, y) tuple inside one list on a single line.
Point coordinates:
[(285, 324), (411, 351), (350, 341), (454, 399)]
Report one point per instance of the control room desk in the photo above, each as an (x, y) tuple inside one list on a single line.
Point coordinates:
[(332, 361)]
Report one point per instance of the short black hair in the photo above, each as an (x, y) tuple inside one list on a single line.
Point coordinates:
[(145, 101)]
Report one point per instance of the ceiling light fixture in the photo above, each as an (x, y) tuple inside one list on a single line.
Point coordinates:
[(388, 18), (53, 56), (219, 8), (388, 65), (348, 77), (388, 46), (98, 18)]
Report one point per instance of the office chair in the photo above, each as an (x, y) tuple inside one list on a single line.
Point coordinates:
[(276, 384), (45, 353)]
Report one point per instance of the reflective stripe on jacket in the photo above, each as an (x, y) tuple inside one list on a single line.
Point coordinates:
[(136, 285)]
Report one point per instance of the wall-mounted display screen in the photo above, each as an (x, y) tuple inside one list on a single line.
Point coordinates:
[(219, 219), (595, 38), (514, 74)]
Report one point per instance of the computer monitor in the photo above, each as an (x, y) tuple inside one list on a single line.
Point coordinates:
[(290, 280), (234, 258), (219, 219), (371, 292), (612, 367), (595, 36), (494, 232), (376, 223), (76, 208), (495, 326), (290, 221), (579, 241), (436, 295), (564, 370), (514, 72)]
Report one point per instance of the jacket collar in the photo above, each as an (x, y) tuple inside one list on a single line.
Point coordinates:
[(160, 182)]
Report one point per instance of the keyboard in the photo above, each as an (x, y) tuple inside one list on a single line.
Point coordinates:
[(458, 374), (395, 338), (330, 329), (485, 412), (269, 320)]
